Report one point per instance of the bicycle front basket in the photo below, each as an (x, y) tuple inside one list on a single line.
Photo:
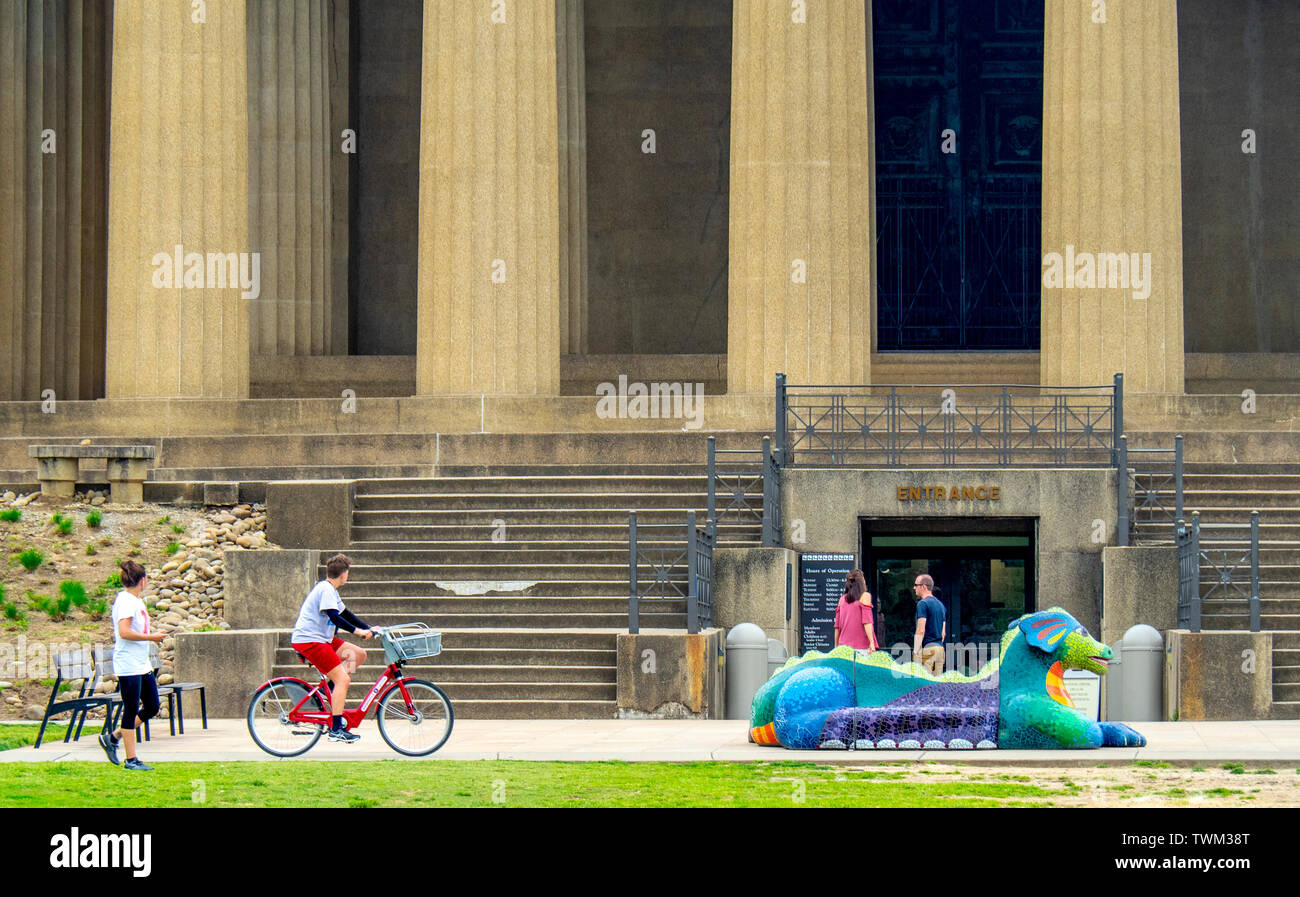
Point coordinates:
[(415, 645)]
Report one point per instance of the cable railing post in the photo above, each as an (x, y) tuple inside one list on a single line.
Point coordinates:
[(712, 476), (1254, 571), (1196, 572), (692, 595), (1121, 494), (771, 496), (1116, 418), (782, 445), (1178, 476), (633, 621)]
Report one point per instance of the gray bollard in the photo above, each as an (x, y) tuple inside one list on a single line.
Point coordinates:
[(746, 667), (1144, 669), (776, 657), (1113, 685)]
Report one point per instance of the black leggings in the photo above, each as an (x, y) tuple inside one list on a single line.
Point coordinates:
[(137, 691)]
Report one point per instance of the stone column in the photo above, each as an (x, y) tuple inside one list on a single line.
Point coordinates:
[(290, 147), (488, 282), (570, 64), (801, 196), (1112, 184), (53, 195), (178, 177)]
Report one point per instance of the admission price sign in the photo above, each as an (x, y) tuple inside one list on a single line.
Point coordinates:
[(821, 582)]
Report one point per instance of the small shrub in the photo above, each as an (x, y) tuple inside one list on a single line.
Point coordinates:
[(11, 611), (58, 609), (91, 549), (114, 580), (74, 591), (207, 627), (31, 559), (96, 608), (94, 519), (134, 552), (172, 548), (177, 528), (164, 519), (61, 523), (106, 541), (11, 515)]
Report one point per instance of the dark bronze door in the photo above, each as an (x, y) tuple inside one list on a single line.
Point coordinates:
[(958, 128)]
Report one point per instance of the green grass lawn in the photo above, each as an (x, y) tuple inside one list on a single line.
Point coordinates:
[(391, 783), (12, 736)]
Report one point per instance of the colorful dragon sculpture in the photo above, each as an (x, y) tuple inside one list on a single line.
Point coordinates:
[(854, 700)]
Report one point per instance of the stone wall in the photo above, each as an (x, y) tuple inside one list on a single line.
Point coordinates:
[(671, 675)]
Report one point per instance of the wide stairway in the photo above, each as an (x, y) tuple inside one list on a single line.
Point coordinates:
[(1226, 494), (525, 573)]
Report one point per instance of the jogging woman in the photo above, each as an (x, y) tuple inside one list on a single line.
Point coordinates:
[(135, 679)]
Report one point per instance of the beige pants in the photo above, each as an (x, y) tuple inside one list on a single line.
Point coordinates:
[(932, 659)]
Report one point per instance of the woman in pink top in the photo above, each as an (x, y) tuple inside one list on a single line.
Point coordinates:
[(853, 617)]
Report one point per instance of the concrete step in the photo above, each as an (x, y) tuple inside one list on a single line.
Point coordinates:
[(1287, 641), (508, 606), (1285, 710), (1285, 675), (487, 554), (362, 574), (651, 617), (463, 585), (585, 483), (1270, 606), (463, 664), (518, 638), (553, 501), (1286, 692), (1241, 621), (523, 543)]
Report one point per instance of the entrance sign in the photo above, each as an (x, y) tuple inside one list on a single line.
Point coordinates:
[(950, 493), (821, 582)]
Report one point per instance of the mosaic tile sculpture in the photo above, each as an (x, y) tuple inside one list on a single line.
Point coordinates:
[(860, 700)]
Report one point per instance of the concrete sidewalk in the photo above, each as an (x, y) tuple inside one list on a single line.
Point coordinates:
[(1271, 742)]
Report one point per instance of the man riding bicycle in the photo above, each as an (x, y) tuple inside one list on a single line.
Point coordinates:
[(315, 637)]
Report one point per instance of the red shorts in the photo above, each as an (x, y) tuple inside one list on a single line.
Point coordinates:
[(322, 656)]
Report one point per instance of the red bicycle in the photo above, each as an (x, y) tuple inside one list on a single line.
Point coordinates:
[(287, 715)]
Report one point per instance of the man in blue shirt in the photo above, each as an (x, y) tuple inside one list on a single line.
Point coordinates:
[(931, 625)]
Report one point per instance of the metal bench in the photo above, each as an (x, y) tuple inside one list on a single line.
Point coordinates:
[(69, 666), (57, 468)]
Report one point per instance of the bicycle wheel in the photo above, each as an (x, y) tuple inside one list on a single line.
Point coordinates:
[(422, 727), (268, 719)]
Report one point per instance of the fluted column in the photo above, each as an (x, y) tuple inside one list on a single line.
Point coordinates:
[(178, 176), (801, 196), (488, 282), (53, 190), (1112, 184), (289, 176), (570, 63)]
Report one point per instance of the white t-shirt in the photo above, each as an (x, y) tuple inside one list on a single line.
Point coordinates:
[(313, 625), (130, 658)]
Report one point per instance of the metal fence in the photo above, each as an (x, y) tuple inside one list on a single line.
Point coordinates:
[(941, 425), (681, 569), (1231, 568), (1150, 485), (733, 475)]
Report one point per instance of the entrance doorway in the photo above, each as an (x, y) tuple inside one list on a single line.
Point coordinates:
[(983, 571)]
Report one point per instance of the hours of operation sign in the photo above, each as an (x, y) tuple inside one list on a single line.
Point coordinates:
[(821, 582)]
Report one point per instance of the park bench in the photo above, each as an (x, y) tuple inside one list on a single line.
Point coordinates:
[(57, 467), (69, 666)]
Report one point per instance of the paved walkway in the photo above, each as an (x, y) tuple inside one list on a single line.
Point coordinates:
[(1274, 742)]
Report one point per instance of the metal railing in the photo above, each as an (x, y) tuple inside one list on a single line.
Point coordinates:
[(735, 484), (1156, 486), (681, 569), (1230, 568), (941, 425)]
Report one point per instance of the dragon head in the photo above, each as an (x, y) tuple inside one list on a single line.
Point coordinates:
[(1063, 638)]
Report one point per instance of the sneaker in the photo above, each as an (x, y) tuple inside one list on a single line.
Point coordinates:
[(134, 763), (344, 736), (107, 742)]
